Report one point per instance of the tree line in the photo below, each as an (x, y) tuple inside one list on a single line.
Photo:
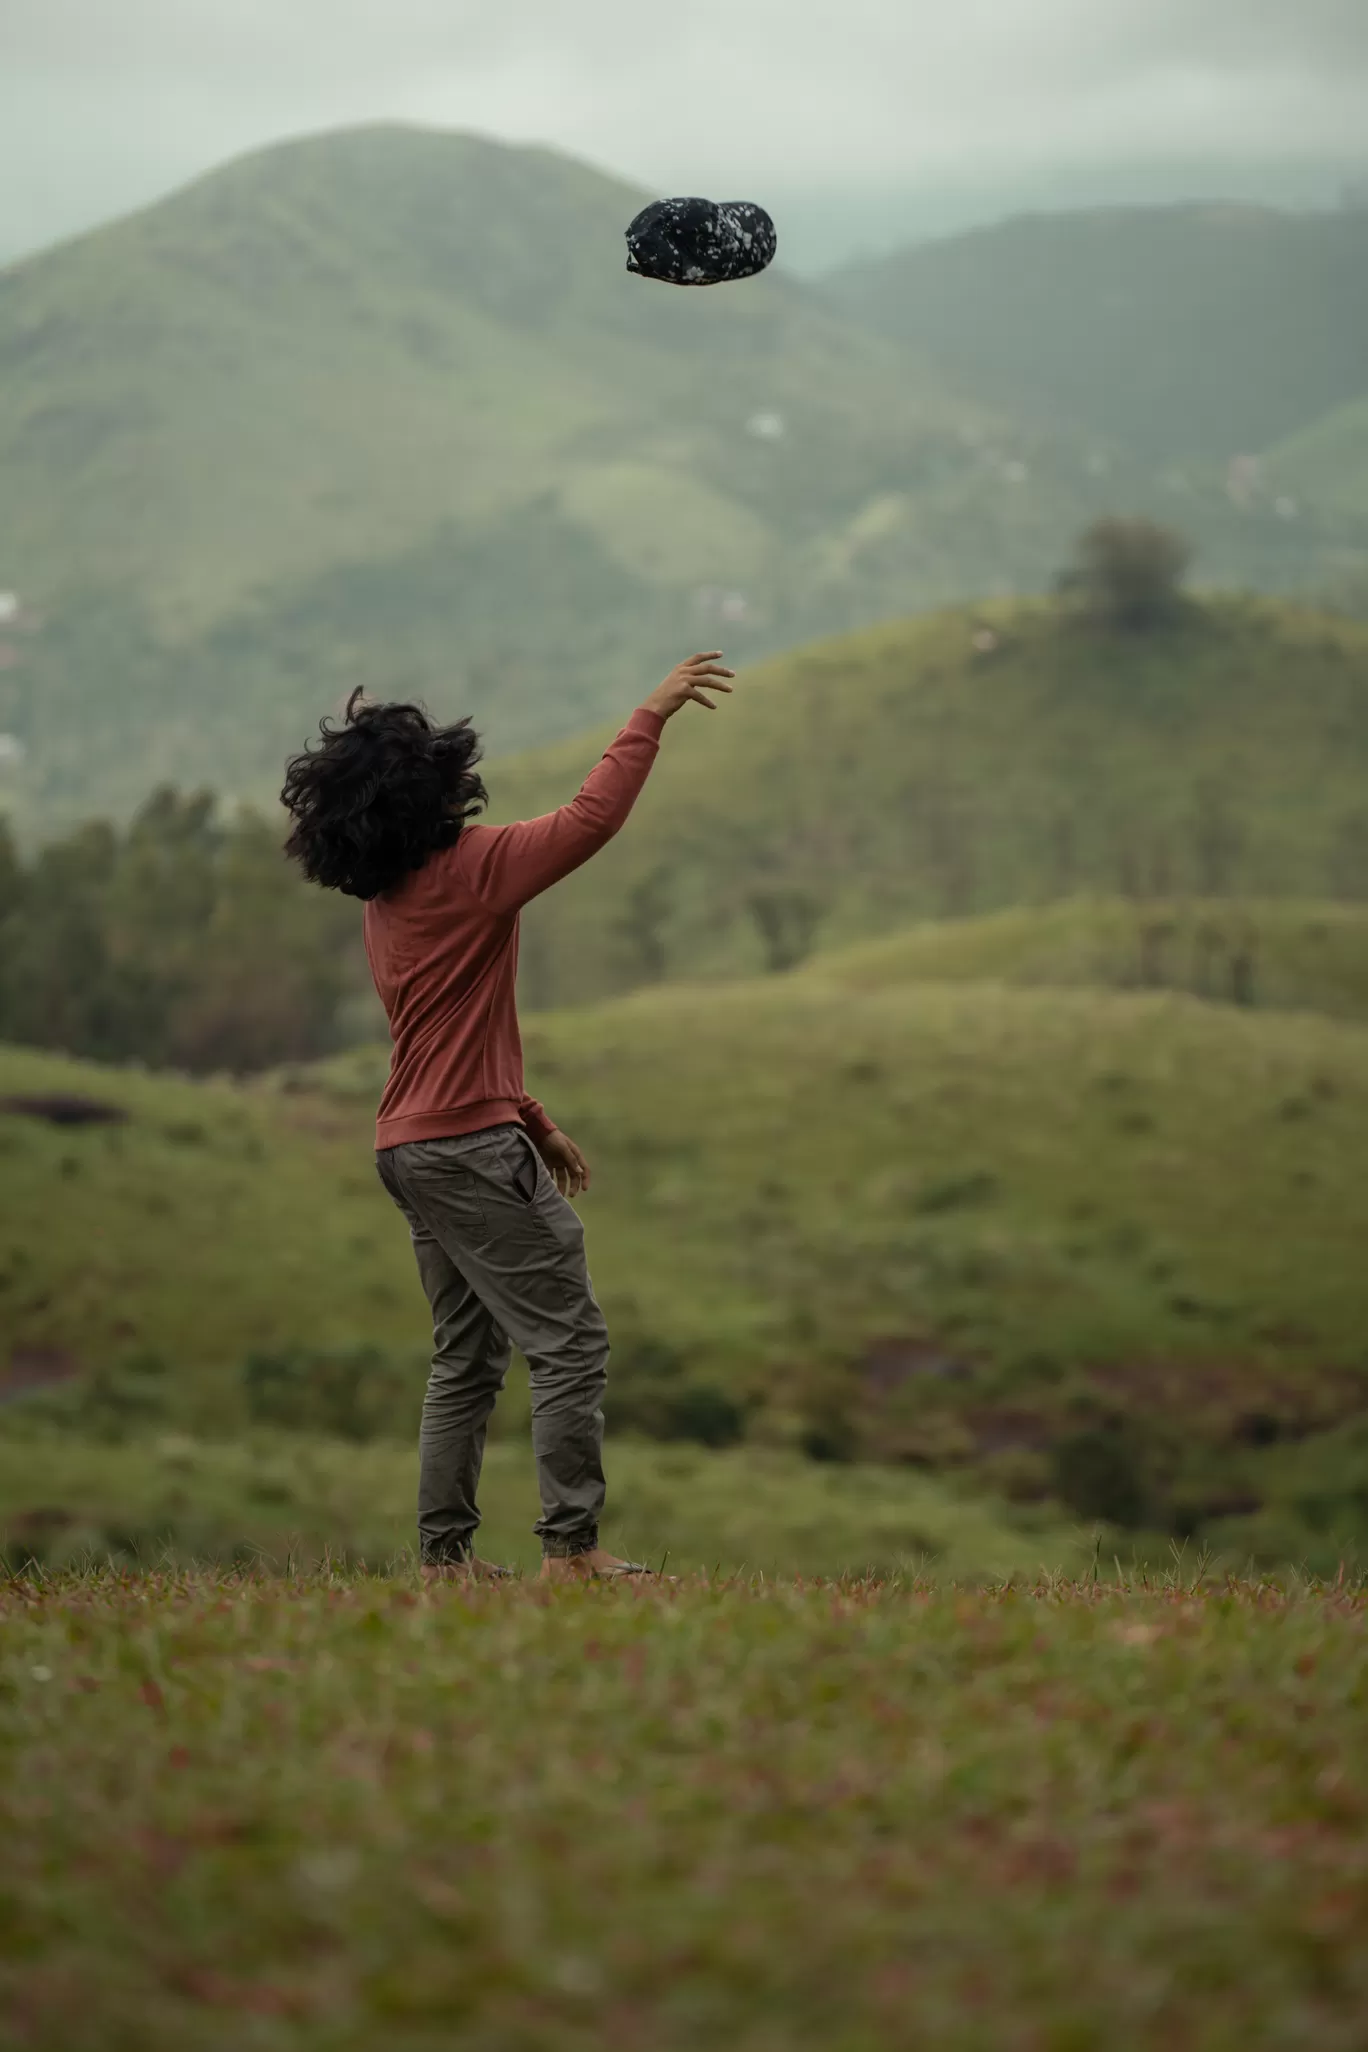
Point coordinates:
[(183, 940)]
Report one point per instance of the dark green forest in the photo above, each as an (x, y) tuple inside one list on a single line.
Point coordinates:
[(182, 941)]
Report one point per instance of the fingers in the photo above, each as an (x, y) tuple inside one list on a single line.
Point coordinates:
[(571, 1175), (568, 1167), (706, 669)]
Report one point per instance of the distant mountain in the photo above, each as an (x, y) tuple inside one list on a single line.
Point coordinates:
[(1327, 462), (384, 408), (1189, 333)]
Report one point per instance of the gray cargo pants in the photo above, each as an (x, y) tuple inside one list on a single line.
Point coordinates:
[(501, 1257)]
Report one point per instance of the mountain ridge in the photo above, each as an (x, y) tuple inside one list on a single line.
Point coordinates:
[(385, 408), (1202, 328)]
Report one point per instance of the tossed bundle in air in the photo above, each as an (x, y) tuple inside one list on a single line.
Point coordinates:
[(700, 242)]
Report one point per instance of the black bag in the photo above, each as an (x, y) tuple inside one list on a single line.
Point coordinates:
[(700, 242)]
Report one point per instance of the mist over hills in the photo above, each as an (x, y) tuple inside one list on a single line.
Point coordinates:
[(383, 407), (1187, 332)]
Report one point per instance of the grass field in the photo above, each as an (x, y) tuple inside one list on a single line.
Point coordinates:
[(275, 1497), (323, 1815), (782, 1166), (962, 1226), (209, 1223)]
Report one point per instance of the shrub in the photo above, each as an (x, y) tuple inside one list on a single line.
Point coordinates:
[(1099, 1473), (1128, 574), (355, 1393), (650, 1391)]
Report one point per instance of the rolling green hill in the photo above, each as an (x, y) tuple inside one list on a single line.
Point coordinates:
[(384, 407), (1104, 1247), (966, 763), (1277, 954), (1186, 332)]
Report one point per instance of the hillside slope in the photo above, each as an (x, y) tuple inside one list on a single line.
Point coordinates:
[(1271, 954), (1186, 332), (961, 1226), (1327, 462), (384, 407), (965, 763)]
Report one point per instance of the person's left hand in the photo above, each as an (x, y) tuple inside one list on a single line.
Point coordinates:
[(567, 1165)]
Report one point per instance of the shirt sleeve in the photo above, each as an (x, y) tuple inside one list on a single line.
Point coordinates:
[(507, 866), (534, 1117)]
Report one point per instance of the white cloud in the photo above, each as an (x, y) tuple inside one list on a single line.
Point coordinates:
[(102, 104)]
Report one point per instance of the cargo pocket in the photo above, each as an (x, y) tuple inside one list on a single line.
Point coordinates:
[(527, 1172)]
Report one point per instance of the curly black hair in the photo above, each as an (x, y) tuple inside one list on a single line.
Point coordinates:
[(385, 790)]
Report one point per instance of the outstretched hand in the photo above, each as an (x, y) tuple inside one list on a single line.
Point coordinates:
[(691, 680), (569, 1169)]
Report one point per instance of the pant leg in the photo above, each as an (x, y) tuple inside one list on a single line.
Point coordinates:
[(469, 1364), (490, 1204)]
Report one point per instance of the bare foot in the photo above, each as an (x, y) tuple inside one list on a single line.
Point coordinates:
[(595, 1566), (435, 1572)]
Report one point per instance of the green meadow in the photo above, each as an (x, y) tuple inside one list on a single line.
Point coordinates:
[(328, 1813), (1096, 1252)]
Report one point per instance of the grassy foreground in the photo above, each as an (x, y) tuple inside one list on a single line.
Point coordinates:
[(339, 1814)]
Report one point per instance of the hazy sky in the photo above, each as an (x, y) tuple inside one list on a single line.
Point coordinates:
[(832, 103)]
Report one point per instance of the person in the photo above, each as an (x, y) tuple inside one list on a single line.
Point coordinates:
[(383, 809)]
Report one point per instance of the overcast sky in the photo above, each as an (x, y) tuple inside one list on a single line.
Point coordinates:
[(894, 108)]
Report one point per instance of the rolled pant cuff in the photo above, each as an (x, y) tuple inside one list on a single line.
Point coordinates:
[(447, 1553), (554, 1548)]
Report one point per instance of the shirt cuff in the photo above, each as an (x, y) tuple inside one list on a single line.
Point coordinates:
[(534, 1117), (644, 721)]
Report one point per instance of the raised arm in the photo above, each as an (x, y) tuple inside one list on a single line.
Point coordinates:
[(507, 866)]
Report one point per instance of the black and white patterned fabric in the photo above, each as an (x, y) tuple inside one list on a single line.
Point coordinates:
[(700, 242)]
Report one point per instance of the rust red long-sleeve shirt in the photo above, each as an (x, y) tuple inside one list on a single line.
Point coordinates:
[(443, 950)]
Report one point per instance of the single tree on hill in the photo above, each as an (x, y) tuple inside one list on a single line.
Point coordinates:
[(1128, 574)]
